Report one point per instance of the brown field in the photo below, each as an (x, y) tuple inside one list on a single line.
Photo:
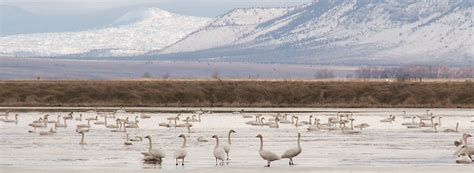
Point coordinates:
[(218, 93)]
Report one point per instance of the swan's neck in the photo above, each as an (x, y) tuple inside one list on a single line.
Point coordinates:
[(105, 120), (296, 123), (89, 122), (184, 142), (58, 119), (199, 117), (82, 138), (65, 123), (457, 127), (127, 137), (352, 125), (124, 127), (217, 142), (261, 143), (310, 120), (228, 138), (439, 121), (149, 144), (299, 138)]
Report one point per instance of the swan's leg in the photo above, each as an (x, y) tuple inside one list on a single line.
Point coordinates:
[(216, 160), (227, 156), (176, 162), (291, 161), (182, 163), (268, 163)]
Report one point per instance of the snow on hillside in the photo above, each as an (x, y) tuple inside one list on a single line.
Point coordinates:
[(134, 33), (342, 30)]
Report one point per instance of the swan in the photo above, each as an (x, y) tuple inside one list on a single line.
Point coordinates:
[(296, 122), (459, 144), (120, 128), (276, 124), (50, 132), (453, 130), (439, 121), (63, 125), (349, 130), (308, 122), (428, 124), (144, 116), (293, 152), (408, 123), (256, 122), (218, 152), (405, 116), (464, 156), (80, 118), (185, 124), (133, 122), (69, 116), (55, 121), (315, 126), (247, 116), (169, 124), (136, 139), (88, 125), (153, 154), (181, 153), (202, 139), (174, 118), (362, 126), (111, 126), (82, 130), (93, 118), (265, 154), (432, 130), (82, 138), (133, 125), (262, 123), (388, 120), (127, 140), (226, 146), (101, 122), (190, 130), (12, 121), (285, 120)]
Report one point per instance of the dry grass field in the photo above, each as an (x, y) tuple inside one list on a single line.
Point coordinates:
[(218, 93)]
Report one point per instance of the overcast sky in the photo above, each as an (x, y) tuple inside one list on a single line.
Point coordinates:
[(208, 8)]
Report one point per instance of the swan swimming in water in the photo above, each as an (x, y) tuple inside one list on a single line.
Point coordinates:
[(226, 146), (218, 152), (464, 156), (265, 154), (82, 138), (202, 139), (181, 153), (452, 130), (293, 152), (153, 154)]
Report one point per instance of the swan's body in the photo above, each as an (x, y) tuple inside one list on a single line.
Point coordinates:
[(432, 130), (285, 120), (308, 122), (144, 116), (293, 152), (88, 125), (202, 139), (153, 154), (101, 122), (12, 121), (93, 118), (181, 153), (47, 133), (265, 154), (388, 120), (275, 125), (218, 152), (127, 140), (464, 156), (80, 118)]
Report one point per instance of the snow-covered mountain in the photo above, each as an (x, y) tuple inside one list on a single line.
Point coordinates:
[(338, 31), (134, 33)]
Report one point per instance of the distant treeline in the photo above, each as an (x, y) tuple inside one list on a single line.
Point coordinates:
[(217, 93), (415, 72)]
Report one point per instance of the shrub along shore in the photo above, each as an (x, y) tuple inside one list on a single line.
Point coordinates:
[(217, 93)]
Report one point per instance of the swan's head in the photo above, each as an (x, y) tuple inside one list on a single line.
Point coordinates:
[(466, 135), (311, 116), (214, 136), (232, 131), (147, 136), (181, 136), (259, 136)]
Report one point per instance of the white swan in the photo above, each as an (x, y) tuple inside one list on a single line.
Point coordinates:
[(202, 139), (64, 124), (144, 116), (432, 130), (308, 122), (256, 122), (181, 153), (50, 132), (101, 122), (410, 123), (82, 138), (111, 126), (191, 130), (464, 156), (293, 152), (80, 118), (88, 125), (315, 126), (93, 118), (185, 124), (127, 140), (453, 130), (285, 120), (388, 120), (265, 154), (132, 125), (276, 124), (226, 146), (218, 152), (153, 154), (12, 121), (297, 124)]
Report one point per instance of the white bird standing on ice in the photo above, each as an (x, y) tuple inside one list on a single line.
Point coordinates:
[(464, 155), (82, 138), (218, 152), (265, 154), (153, 154), (181, 153), (293, 152), (226, 146)]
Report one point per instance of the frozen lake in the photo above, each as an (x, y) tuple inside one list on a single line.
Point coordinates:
[(380, 145)]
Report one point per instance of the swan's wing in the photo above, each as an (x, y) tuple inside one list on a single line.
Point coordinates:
[(145, 154), (459, 150), (268, 155), (157, 153), (225, 146)]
